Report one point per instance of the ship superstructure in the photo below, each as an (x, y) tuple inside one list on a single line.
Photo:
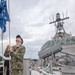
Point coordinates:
[(60, 50)]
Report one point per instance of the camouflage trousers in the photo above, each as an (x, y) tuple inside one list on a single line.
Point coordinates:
[(16, 72)]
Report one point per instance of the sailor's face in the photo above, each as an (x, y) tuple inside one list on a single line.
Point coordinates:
[(18, 41)]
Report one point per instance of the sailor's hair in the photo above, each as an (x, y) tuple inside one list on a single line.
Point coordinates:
[(18, 36)]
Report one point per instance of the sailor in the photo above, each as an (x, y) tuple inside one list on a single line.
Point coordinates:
[(17, 53)]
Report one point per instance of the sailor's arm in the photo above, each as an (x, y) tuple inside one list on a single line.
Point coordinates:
[(7, 52), (20, 54)]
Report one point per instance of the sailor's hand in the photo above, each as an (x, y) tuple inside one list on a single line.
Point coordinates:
[(11, 49), (7, 48)]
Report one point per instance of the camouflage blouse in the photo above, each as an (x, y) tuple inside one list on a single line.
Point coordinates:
[(16, 57)]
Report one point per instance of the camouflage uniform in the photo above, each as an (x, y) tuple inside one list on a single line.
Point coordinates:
[(16, 60)]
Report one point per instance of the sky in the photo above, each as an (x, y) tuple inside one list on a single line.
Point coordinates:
[(30, 19)]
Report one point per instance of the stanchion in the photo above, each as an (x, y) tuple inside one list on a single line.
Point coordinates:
[(26, 66)]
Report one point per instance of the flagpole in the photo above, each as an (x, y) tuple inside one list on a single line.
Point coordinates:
[(9, 22), (9, 36), (2, 50)]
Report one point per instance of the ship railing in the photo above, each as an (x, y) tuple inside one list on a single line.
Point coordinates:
[(2, 68)]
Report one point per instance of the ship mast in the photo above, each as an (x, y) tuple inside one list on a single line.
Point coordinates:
[(59, 25)]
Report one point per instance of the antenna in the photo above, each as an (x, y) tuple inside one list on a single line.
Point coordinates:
[(63, 17), (53, 17), (50, 19), (66, 13), (62, 14)]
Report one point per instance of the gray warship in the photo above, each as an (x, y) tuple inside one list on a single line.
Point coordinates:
[(59, 53)]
